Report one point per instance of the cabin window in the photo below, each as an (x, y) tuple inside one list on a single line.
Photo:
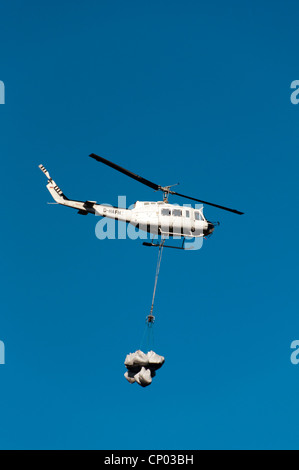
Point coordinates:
[(187, 213), (165, 212), (177, 212)]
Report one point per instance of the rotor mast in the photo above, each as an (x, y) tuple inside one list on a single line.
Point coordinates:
[(166, 191)]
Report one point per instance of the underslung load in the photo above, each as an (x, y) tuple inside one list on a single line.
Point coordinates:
[(142, 367)]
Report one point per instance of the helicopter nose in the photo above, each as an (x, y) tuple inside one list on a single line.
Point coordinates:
[(211, 228)]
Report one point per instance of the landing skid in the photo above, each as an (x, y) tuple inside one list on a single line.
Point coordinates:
[(169, 246)]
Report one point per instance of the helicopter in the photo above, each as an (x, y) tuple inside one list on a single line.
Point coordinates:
[(158, 218)]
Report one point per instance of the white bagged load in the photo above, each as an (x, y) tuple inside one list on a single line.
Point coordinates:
[(137, 358), (155, 361), (144, 377), (130, 376), (141, 367)]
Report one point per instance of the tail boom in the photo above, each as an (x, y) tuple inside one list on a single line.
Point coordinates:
[(83, 207)]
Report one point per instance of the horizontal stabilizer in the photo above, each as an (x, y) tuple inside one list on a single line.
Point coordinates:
[(89, 204)]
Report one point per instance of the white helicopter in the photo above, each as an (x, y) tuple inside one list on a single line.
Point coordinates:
[(158, 218)]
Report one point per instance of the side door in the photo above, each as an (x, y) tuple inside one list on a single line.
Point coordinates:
[(177, 221), (165, 219), (188, 222)]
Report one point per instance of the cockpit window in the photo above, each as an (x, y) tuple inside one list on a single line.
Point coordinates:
[(198, 216), (177, 212), (165, 212)]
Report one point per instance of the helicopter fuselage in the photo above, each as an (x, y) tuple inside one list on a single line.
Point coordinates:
[(157, 218), (161, 218)]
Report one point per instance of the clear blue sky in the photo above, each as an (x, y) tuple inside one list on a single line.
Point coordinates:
[(192, 91)]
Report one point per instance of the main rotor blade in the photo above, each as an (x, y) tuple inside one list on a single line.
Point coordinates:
[(208, 203), (152, 185), (155, 186)]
